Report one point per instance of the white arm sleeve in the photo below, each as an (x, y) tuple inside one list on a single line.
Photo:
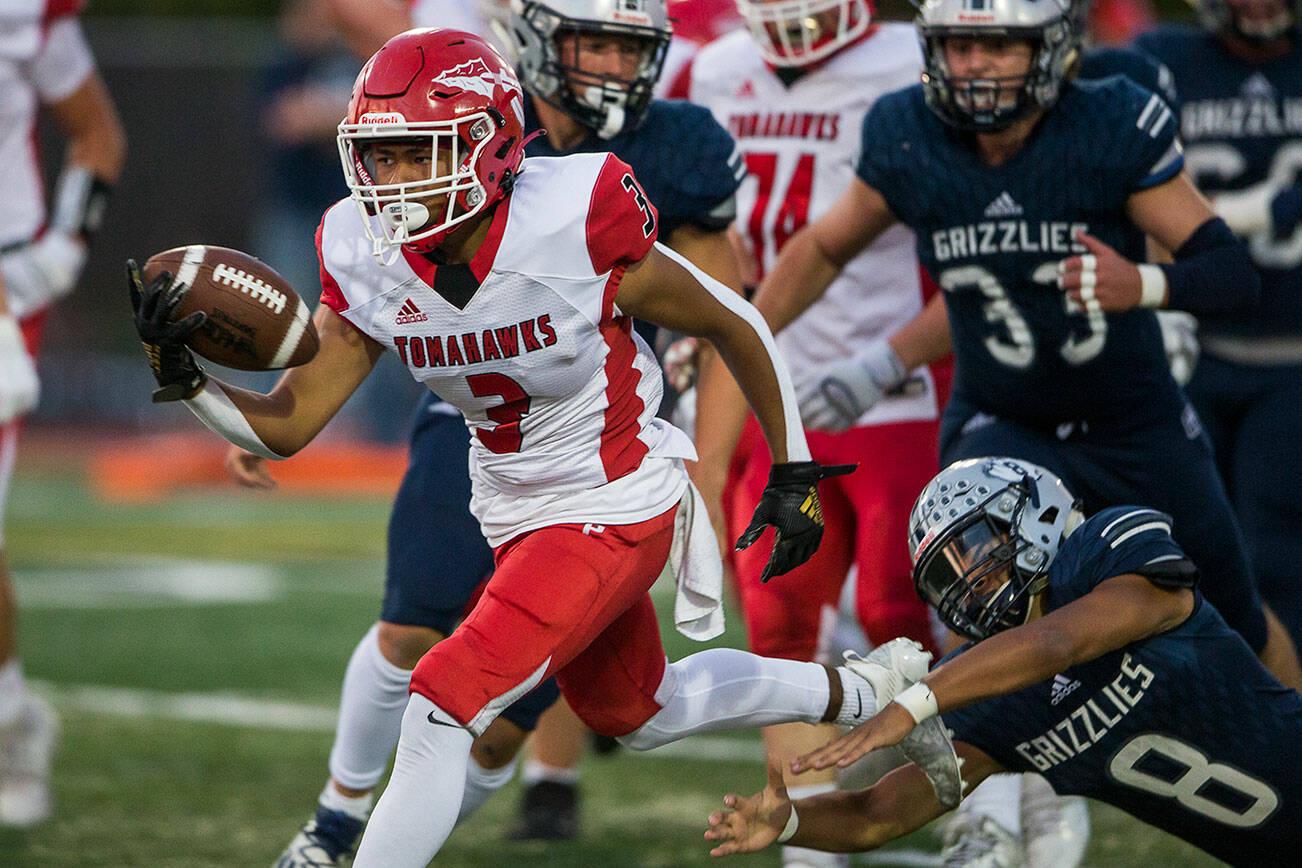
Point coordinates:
[(64, 63), (216, 410), (797, 448)]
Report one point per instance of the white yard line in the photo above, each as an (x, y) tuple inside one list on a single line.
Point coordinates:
[(235, 710), (142, 583)]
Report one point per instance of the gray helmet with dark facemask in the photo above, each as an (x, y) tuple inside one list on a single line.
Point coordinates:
[(992, 104), (983, 534), (605, 104)]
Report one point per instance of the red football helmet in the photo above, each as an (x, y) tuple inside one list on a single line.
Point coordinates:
[(455, 90), (798, 33)]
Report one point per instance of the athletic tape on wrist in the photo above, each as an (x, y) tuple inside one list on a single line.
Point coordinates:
[(919, 702), (1152, 286), (793, 823), (80, 199), (218, 412)]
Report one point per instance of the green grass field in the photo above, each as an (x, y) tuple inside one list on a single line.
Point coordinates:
[(194, 649)]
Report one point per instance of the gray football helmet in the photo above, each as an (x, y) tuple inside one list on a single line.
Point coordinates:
[(605, 104), (992, 104), (983, 534), (1221, 18)]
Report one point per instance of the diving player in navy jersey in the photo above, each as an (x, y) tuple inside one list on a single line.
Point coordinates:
[(1030, 195), (589, 72), (1240, 79), (1095, 662)]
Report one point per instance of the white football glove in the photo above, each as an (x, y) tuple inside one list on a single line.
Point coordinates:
[(1180, 340), (680, 363), (835, 397), (19, 387), (40, 273)]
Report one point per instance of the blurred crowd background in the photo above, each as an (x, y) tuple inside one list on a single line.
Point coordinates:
[(230, 108)]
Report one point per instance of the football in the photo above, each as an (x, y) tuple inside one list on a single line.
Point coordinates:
[(256, 321)]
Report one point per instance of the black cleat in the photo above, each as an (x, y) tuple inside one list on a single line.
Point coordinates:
[(549, 811)]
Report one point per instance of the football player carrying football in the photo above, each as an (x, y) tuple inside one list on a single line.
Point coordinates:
[(437, 558), (1096, 663), (793, 89), (1240, 82), (45, 65), (507, 285), (1031, 194)]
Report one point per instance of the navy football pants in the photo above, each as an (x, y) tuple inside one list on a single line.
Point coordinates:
[(1254, 418)]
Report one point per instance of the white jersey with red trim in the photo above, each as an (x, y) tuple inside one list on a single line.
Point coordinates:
[(558, 391), (43, 59), (801, 142)]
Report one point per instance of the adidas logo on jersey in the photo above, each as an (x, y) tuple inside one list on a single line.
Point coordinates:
[(746, 91), (1003, 206), (409, 314), (1061, 688), (1258, 87)]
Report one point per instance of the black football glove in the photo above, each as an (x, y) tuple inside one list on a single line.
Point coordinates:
[(790, 504), (178, 374)]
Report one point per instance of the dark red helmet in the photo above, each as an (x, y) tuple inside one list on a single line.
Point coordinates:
[(456, 91)]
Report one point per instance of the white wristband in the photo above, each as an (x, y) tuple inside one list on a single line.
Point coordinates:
[(919, 702), (793, 823), (1152, 286), (216, 410)]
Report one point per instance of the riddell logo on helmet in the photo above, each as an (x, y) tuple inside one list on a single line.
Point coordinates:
[(475, 76), (382, 118)]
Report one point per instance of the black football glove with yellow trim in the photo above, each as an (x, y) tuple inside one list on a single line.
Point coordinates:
[(790, 503), (178, 374)]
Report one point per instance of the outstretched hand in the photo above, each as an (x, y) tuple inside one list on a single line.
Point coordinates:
[(790, 504), (887, 727), (174, 367), (1102, 279), (752, 822), (249, 470)]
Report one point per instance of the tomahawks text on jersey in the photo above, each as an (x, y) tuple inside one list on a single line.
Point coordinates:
[(526, 341), (801, 142)]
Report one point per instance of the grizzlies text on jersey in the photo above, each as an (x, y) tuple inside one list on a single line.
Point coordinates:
[(992, 236), (1185, 730)]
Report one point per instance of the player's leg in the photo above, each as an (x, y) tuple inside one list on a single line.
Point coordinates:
[(549, 802), (437, 557), (793, 617), (28, 725), (553, 591), (1261, 466), (903, 458)]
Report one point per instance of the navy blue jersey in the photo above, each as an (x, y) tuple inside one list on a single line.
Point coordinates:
[(1101, 61), (992, 237), (1241, 124), (688, 165), (1185, 730)]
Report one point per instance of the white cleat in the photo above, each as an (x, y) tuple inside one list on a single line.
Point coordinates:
[(890, 668), (1055, 829), (976, 841), (26, 749)]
